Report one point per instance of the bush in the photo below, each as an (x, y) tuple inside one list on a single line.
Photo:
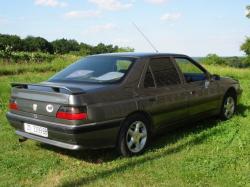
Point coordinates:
[(237, 62), (213, 59), (26, 57)]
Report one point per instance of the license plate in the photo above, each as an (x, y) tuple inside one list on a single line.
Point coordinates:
[(37, 130)]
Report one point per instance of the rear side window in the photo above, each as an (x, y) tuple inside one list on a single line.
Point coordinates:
[(149, 80), (164, 72)]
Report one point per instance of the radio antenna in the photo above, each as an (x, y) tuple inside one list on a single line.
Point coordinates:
[(145, 37)]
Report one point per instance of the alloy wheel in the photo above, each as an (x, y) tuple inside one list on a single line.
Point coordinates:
[(136, 136), (229, 107)]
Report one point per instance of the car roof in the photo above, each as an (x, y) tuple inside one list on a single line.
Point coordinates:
[(140, 55)]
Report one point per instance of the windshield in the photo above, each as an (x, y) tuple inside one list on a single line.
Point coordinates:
[(95, 69)]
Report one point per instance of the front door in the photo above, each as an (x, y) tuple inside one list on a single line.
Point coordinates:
[(203, 93)]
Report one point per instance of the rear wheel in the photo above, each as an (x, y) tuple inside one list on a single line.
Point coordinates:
[(229, 106), (134, 136)]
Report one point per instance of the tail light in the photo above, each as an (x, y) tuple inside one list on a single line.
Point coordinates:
[(13, 105), (72, 113)]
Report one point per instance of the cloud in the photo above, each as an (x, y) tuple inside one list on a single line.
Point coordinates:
[(101, 28), (111, 5), (50, 3), (171, 16), (156, 1), (83, 14)]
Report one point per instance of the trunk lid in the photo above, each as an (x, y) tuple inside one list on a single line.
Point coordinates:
[(42, 99)]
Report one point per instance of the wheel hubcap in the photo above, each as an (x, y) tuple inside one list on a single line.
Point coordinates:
[(136, 136), (229, 107)]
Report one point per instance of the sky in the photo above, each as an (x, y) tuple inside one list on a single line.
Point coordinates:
[(192, 27)]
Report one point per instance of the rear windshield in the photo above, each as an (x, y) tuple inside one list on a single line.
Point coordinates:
[(96, 69)]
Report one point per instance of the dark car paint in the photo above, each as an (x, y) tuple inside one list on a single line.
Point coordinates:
[(108, 105)]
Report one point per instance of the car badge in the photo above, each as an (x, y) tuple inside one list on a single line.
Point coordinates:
[(35, 107), (49, 108)]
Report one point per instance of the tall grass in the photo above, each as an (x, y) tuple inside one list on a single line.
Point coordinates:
[(20, 68)]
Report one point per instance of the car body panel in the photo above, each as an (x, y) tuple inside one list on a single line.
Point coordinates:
[(108, 105)]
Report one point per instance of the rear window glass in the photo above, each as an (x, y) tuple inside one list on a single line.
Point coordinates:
[(96, 69)]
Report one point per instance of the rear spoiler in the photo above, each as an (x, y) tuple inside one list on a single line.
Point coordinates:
[(48, 88)]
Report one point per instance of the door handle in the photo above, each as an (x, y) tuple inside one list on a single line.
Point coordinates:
[(192, 92), (207, 83)]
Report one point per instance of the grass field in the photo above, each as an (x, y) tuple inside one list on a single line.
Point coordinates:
[(209, 153)]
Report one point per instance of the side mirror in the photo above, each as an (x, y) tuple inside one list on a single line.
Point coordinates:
[(215, 77)]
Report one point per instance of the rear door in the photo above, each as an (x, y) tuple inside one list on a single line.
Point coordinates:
[(162, 93), (203, 93)]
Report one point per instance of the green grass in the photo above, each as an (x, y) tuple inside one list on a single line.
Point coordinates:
[(209, 153), (21, 68)]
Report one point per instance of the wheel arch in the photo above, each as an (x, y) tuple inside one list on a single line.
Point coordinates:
[(138, 112), (232, 91)]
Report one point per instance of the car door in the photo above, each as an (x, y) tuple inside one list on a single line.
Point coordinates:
[(162, 93), (203, 93)]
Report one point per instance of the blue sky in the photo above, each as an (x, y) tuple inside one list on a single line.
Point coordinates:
[(193, 27)]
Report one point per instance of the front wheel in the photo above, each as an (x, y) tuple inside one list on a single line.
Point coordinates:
[(134, 136), (229, 106)]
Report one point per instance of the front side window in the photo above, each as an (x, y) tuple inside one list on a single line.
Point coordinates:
[(191, 72), (164, 72), (96, 69)]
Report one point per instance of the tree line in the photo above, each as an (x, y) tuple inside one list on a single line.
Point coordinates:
[(60, 46)]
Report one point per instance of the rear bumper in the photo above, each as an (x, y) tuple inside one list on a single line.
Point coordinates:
[(49, 141), (87, 136)]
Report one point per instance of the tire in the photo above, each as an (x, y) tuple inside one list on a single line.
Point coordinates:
[(134, 136), (228, 106)]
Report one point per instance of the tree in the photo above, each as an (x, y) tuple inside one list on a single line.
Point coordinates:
[(248, 11), (85, 49), (102, 48), (63, 46), (125, 49), (33, 44), (12, 42), (246, 46)]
